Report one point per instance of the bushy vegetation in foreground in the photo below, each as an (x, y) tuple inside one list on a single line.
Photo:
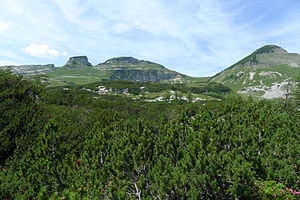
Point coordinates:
[(86, 148)]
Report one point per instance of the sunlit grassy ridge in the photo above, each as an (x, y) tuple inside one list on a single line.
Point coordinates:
[(259, 73)]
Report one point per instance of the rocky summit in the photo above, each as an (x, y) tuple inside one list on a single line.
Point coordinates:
[(124, 60), (132, 69), (79, 60)]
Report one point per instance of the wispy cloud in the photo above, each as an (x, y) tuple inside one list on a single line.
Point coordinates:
[(196, 37), (3, 25)]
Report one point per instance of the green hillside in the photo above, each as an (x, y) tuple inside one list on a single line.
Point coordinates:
[(75, 74), (267, 73), (78, 70), (131, 69), (120, 68), (73, 143)]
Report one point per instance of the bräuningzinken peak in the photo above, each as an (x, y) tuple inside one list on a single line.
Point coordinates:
[(79, 60)]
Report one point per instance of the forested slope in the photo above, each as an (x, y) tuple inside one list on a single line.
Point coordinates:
[(78, 147)]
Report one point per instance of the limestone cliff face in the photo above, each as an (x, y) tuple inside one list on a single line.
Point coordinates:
[(143, 75), (79, 60), (30, 70), (132, 69)]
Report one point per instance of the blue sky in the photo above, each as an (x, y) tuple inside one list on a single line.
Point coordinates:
[(194, 37)]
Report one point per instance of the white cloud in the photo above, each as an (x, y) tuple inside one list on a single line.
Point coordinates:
[(195, 37), (41, 50), (3, 25)]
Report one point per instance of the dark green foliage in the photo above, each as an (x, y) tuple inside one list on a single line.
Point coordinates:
[(297, 93), (18, 110), (135, 87), (118, 148)]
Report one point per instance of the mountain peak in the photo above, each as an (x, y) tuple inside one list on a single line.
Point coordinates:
[(123, 60), (252, 59), (79, 60), (271, 49)]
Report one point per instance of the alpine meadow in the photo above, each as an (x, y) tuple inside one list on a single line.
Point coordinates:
[(128, 99)]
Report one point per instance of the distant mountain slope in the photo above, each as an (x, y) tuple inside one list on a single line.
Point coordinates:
[(267, 73), (132, 69), (78, 70), (29, 70)]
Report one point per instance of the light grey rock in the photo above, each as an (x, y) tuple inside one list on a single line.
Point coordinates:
[(29, 70)]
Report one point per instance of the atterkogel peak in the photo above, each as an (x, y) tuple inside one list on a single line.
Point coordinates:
[(270, 49)]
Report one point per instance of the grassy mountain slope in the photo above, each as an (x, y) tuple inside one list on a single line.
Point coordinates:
[(75, 74), (267, 73), (131, 69), (78, 70), (120, 68)]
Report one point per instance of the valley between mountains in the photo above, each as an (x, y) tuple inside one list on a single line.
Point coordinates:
[(269, 72)]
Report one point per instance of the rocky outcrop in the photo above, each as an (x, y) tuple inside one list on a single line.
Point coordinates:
[(123, 60), (142, 75), (132, 69), (30, 70), (79, 60)]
